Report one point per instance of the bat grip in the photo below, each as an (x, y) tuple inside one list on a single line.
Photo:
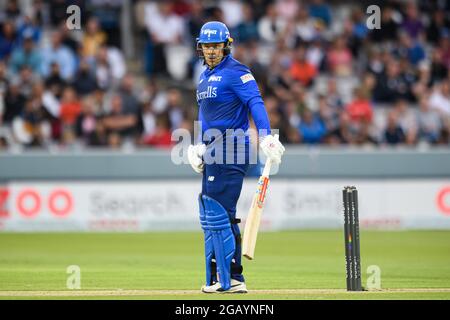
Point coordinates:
[(268, 164)]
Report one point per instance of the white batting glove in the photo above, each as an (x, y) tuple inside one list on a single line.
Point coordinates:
[(195, 154), (272, 148)]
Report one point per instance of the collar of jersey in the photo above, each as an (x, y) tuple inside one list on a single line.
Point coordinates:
[(219, 66)]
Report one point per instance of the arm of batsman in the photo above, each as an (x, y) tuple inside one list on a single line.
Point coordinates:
[(272, 148), (195, 154)]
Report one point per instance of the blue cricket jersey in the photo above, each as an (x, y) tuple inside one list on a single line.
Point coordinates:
[(225, 96)]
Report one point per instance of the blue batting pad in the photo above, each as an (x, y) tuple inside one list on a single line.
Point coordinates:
[(209, 247), (219, 226)]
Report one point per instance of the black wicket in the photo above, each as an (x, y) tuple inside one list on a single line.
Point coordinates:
[(351, 233)]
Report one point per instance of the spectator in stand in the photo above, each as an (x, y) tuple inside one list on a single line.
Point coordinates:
[(108, 13), (315, 54), (84, 82), (438, 26), (312, 129), (93, 38), (174, 109), (439, 70), (305, 26), (429, 122), (327, 114), (360, 108), (390, 27), (444, 46), (278, 119), (343, 134), (359, 30), (164, 28), (8, 40), (412, 23), (70, 108), (162, 137), (440, 98), (31, 126), (54, 81), (195, 19), (118, 122), (29, 28), (334, 98), (27, 79), (271, 26), (391, 84), (60, 54), (130, 103), (340, 58), (247, 29), (12, 10), (86, 122), (320, 10), (27, 55), (68, 40), (411, 49), (301, 70), (407, 120), (57, 11), (287, 9), (14, 102), (393, 134), (233, 13), (109, 67)]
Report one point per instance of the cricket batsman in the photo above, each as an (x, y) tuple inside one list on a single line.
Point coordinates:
[(226, 93)]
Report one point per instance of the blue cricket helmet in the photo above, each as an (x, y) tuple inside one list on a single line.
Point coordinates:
[(214, 32)]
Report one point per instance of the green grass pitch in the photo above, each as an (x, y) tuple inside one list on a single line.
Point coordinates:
[(287, 265)]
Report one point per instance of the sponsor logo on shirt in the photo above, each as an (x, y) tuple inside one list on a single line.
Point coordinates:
[(211, 178), (210, 92), (215, 78), (247, 77)]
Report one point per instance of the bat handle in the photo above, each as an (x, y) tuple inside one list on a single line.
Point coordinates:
[(267, 166)]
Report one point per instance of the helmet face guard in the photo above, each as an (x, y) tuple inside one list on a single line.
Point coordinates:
[(226, 49), (214, 32)]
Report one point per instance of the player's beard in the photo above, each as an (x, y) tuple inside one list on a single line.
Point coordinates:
[(213, 60)]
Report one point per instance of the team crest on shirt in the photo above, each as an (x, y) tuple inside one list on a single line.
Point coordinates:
[(247, 77)]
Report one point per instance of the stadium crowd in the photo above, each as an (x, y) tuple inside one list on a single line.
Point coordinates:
[(326, 78)]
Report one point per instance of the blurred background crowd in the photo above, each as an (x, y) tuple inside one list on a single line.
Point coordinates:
[(127, 77)]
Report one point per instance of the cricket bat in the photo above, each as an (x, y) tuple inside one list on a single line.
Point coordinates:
[(254, 214)]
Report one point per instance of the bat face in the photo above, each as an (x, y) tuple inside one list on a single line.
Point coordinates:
[(253, 218), (261, 191), (254, 214)]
